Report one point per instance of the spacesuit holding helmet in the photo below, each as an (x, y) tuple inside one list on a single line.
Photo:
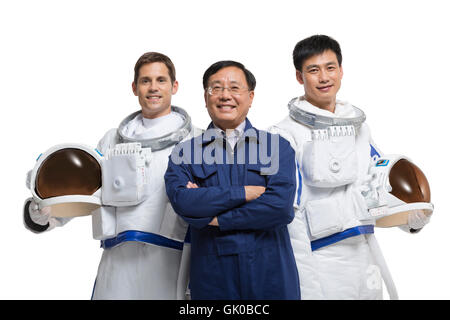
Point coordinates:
[(146, 245), (332, 233)]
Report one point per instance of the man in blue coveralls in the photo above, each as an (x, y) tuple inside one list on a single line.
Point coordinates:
[(235, 186)]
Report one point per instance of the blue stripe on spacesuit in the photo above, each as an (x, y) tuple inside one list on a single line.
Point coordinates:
[(299, 188), (352, 232), (93, 290), (140, 236), (374, 152), (99, 152)]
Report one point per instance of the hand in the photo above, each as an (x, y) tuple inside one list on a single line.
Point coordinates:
[(214, 222), (191, 185), (417, 219), (41, 217), (253, 192)]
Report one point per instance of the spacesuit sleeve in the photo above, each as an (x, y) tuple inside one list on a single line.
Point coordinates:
[(198, 206), (109, 140), (376, 153), (275, 206)]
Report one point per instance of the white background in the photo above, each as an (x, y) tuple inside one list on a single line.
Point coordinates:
[(66, 69)]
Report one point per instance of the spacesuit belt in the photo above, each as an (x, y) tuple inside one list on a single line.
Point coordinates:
[(352, 232), (140, 236)]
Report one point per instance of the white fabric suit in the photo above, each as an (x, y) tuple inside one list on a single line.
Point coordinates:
[(148, 258), (335, 269)]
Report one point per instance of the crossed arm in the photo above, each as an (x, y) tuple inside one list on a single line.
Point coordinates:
[(234, 207), (251, 193)]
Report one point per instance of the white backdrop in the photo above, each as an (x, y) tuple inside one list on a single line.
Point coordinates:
[(66, 69)]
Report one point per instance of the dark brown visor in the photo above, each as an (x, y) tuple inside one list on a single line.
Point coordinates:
[(68, 171), (409, 183)]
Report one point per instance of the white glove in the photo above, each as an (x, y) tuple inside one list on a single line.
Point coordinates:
[(417, 219), (42, 217)]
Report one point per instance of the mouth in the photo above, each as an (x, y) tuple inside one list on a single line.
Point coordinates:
[(153, 98), (325, 88), (226, 107)]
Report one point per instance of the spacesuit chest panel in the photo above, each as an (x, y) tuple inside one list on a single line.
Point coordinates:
[(148, 215), (336, 208), (329, 157), (153, 219)]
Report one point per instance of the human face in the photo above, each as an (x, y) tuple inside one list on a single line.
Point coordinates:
[(321, 77), (228, 110), (154, 90)]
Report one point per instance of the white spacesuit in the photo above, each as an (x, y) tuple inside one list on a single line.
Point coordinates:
[(146, 247), (332, 234)]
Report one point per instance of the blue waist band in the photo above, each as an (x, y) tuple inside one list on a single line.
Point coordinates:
[(352, 232), (140, 236)]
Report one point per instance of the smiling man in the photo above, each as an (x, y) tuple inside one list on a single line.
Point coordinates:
[(332, 233), (321, 77), (154, 85), (237, 209), (226, 106), (145, 254)]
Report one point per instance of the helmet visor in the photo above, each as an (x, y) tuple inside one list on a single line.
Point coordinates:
[(408, 182), (68, 171)]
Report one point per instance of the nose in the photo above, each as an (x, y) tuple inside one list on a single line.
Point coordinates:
[(226, 94), (323, 77), (153, 87)]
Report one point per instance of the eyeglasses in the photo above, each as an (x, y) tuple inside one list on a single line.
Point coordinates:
[(234, 90)]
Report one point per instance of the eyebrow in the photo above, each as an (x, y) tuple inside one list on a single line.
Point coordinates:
[(158, 77), (317, 66), (220, 82)]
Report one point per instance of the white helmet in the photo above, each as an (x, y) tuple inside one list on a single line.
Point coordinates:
[(74, 179), (397, 187), (67, 178)]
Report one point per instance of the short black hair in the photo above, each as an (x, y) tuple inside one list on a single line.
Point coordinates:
[(214, 68), (312, 46)]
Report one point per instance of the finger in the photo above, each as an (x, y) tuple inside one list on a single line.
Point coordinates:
[(46, 210)]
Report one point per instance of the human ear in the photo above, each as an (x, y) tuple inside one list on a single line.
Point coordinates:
[(299, 77), (175, 87)]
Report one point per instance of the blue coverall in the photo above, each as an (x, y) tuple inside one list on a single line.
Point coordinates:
[(249, 256)]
